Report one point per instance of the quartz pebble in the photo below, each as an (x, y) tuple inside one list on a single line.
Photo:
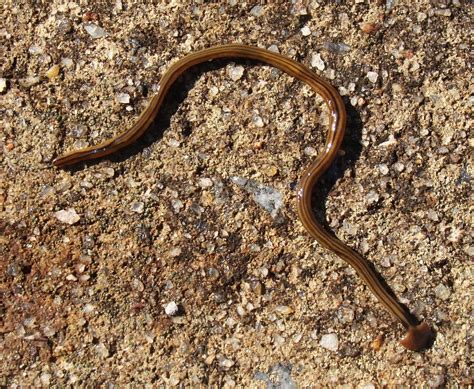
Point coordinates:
[(67, 216), (235, 72), (267, 197), (3, 84), (317, 62), (224, 362), (257, 11), (205, 182), (122, 98), (372, 76), (372, 197), (258, 121), (95, 31), (171, 308), (306, 31), (284, 310), (329, 342)]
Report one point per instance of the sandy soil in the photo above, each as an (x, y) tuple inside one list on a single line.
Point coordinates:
[(157, 267)]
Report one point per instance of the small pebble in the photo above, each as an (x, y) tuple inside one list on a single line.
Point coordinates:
[(446, 12), (137, 206), (442, 292), (329, 342), (273, 49), (267, 197), (257, 11), (175, 252), (177, 205), (383, 168), (122, 98), (95, 31), (270, 171), (224, 362), (399, 167), (64, 25), (101, 350), (35, 50), (370, 28), (284, 310), (29, 81), (67, 216), (171, 308), (305, 31), (258, 121), (205, 182), (3, 84), (436, 381), (345, 315), (53, 72), (45, 379), (317, 62), (88, 308), (372, 76), (372, 197), (235, 72)]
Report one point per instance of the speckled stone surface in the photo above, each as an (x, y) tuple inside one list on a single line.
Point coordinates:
[(161, 266)]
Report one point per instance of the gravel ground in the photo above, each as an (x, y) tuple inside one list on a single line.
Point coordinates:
[(181, 261)]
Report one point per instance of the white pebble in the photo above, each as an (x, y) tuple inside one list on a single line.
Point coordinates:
[(305, 31), (175, 252), (101, 350), (329, 342), (235, 72), (273, 49), (258, 121), (122, 98), (88, 308), (67, 62), (177, 205), (205, 182), (317, 62), (269, 198), (171, 308), (95, 31), (3, 84), (67, 216), (284, 310), (383, 168), (224, 362), (372, 76), (399, 167), (35, 50), (213, 91), (372, 197), (257, 11)]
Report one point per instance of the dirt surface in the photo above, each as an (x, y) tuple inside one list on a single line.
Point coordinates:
[(159, 266)]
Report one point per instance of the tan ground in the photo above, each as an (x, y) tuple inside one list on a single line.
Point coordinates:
[(165, 222)]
